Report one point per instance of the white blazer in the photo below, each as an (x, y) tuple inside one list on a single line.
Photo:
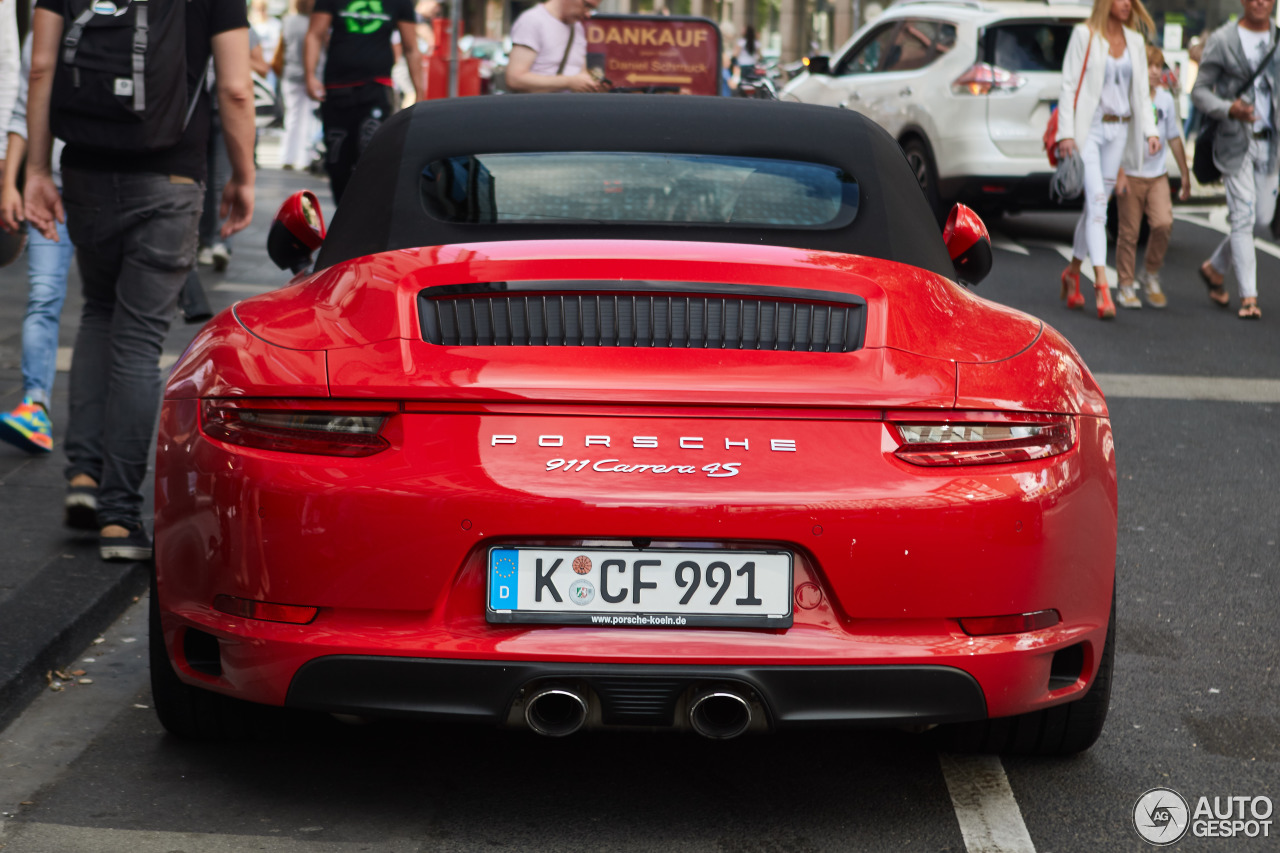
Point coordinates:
[(1074, 122)]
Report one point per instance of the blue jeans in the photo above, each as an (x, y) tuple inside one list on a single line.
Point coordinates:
[(219, 174), (47, 265), (135, 239)]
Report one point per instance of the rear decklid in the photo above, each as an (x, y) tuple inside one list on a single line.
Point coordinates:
[(638, 323)]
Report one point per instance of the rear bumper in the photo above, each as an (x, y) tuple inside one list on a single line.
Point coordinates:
[(1008, 192), (636, 695), (392, 552), (1015, 192)]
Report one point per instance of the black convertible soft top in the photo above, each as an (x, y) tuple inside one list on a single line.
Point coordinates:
[(384, 209)]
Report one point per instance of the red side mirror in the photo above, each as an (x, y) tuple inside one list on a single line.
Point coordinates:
[(968, 244), (296, 232)]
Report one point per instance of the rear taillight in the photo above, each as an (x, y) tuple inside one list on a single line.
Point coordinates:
[(296, 430), (983, 79), (976, 443)]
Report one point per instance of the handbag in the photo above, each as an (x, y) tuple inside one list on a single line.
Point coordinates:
[(1202, 165), (1051, 130), (277, 58)]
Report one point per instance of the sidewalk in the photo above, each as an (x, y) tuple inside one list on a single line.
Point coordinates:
[(56, 595)]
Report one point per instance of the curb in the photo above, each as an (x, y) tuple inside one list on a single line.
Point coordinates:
[(57, 614)]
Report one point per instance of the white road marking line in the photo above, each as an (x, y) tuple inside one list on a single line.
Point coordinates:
[(999, 241), (985, 807), (236, 287), (50, 836), (1217, 221), (1063, 249), (1138, 385), (63, 360)]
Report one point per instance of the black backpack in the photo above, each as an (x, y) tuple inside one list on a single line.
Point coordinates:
[(121, 78)]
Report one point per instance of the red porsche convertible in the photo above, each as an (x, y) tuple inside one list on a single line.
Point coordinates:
[(607, 411)]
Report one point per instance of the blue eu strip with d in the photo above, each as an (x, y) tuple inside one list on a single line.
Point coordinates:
[(504, 568)]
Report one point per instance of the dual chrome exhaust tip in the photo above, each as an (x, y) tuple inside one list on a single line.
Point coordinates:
[(718, 714), (555, 711)]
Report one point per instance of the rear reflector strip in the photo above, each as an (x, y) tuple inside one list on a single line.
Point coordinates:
[(1018, 623), (265, 610)]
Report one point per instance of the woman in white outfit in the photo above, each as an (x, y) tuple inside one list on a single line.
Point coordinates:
[(299, 117), (1107, 126)]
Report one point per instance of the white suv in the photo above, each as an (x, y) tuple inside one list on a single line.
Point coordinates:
[(965, 87)]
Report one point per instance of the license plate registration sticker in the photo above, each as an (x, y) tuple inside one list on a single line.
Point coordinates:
[(655, 588)]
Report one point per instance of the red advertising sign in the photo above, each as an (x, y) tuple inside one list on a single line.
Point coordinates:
[(655, 53)]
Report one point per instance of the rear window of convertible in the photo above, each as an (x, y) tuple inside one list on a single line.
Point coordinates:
[(621, 188)]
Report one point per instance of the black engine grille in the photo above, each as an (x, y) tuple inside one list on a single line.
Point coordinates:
[(671, 317)]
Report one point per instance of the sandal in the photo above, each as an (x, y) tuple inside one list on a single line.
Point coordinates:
[(1071, 289), (1106, 308), (1214, 281), (1250, 311)]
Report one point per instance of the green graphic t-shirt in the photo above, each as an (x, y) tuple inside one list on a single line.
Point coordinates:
[(360, 42)]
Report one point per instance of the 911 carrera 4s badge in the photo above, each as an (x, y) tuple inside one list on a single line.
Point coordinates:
[(669, 466), (649, 587)]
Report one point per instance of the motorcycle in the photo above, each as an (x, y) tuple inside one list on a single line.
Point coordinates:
[(755, 82)]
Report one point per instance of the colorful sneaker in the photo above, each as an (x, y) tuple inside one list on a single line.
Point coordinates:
[(1151, 285), (28, 428), (1128, 296)]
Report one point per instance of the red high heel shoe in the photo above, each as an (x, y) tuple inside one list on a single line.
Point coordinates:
[(1106, 308), (1071, 290)]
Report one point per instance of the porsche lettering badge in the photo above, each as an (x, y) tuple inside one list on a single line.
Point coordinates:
[(685, 442), (614, 465)]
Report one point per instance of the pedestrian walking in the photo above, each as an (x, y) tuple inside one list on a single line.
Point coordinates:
[(355, 97), (1105, 62), (1145, 191), (299, 110), (549, 49), (29, 426), (1237, 87), (9, 50), (133, 174)]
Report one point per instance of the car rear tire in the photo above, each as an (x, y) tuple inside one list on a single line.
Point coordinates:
[(187, 711), (921, 161), (1057, 731)]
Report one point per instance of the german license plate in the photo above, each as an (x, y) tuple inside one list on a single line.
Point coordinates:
[(653, 588)]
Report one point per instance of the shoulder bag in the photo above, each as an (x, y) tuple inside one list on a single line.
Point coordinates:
[(564, 60), (1051, 131), (1202, 165)]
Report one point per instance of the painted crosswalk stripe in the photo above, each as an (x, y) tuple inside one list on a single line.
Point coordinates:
[(1220, 388), (63, 359), (237, 287), (1000, 241), (990, 820), (1065, 251), (1216, 220)]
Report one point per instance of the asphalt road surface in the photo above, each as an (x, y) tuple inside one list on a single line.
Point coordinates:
[(1194, 395)]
